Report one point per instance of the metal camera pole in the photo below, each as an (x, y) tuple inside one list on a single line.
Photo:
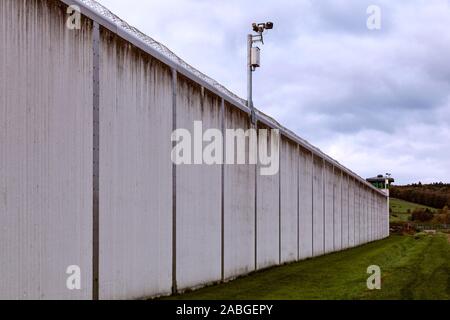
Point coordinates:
[(250, 79), (253, 62)]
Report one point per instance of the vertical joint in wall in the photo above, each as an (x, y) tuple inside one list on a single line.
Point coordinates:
[(298, 202), (323, 204), (348, 211), (222, 200), (256, 202), (279, 201), (342, 211), (96, 160), (174, 186), (334, 195), (312, 203)]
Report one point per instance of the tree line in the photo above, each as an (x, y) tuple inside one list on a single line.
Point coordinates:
[(436, 195)]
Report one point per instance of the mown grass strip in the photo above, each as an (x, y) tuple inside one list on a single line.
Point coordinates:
[(413, 267)]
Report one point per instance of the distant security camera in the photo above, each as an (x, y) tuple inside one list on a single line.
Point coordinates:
[(269, 25)]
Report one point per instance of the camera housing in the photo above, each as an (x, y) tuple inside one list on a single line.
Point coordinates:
[(260, 27)]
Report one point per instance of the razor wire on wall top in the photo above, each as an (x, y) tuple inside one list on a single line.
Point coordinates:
[(100, 9)]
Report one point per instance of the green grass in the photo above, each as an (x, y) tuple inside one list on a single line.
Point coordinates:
[(412, 267), (400, 209)]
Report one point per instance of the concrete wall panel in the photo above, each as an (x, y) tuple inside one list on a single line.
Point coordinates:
[(135, 172), (239, 206), (267, 229), (305, 204), (337, 209), (382, 210), (289, 200), (365, 223), (329, 208), (366, 216), (318, 208), (357, 214), (45, 151), (372, 216), (345, 212), (382, 218), (385, 214), (369, 216), (385, 204), (375, 217), (378, 215), (199, 191), (351, 213)]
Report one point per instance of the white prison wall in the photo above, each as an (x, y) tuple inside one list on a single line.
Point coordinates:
[(161, 228)]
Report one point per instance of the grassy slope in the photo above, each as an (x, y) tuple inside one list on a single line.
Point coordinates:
[(412, 268), (400, 209)]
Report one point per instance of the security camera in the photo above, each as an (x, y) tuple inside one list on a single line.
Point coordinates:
[(269, 25), (260, 27)]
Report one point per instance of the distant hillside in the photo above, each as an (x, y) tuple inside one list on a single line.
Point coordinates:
[(436, 195), (401, 210)]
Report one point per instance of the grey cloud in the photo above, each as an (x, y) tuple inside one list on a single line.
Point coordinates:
[(375, 100)]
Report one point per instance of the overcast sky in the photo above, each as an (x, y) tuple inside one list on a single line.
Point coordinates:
[(375, 100)]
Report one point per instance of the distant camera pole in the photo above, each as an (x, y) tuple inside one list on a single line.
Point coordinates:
[(387, 182), (254, 61)]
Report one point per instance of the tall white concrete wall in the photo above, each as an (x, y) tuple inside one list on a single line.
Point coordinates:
[(161, 227), (45, 152), (289, 200), (199, 193), (305, 204), (135, 172), (239, 206)]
